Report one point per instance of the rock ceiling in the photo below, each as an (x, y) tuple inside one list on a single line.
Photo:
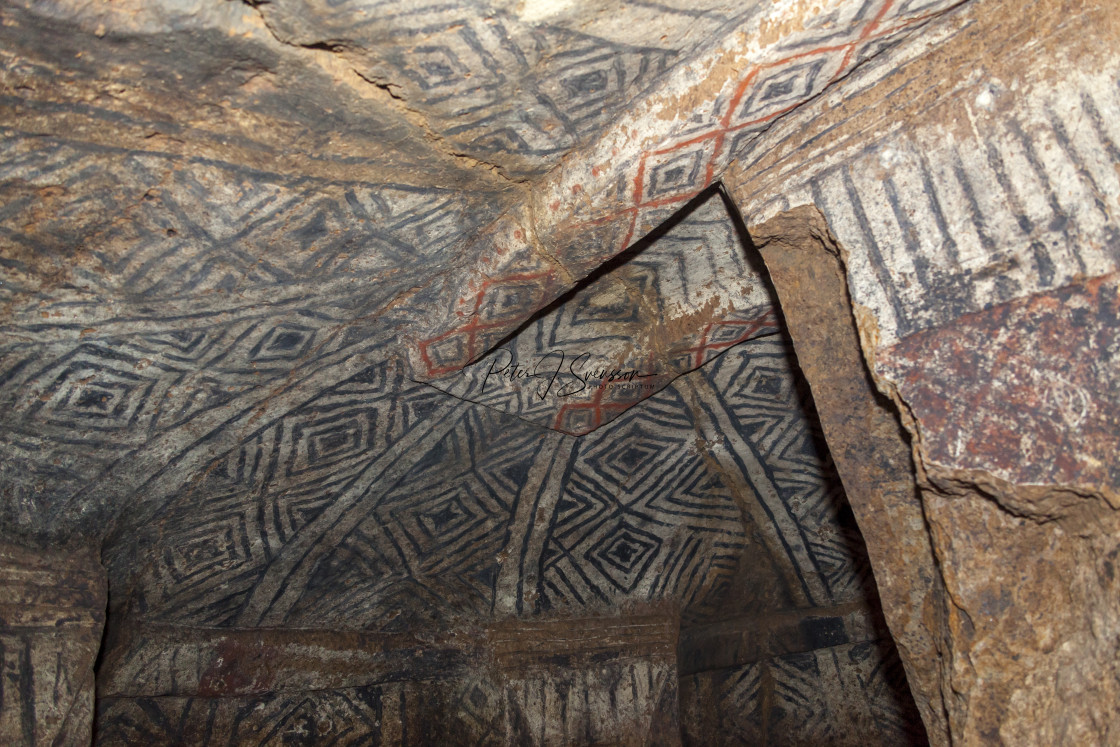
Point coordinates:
[(386, 316), (283, 283), (305, 306), (406, 322), (215, 210)]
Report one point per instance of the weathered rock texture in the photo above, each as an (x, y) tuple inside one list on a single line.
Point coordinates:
[(865, 437), (238, 238), (52, 611), (977, 220)]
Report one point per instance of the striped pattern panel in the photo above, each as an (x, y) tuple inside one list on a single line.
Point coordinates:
[(1005, 193), (630, 702), (849, 696)]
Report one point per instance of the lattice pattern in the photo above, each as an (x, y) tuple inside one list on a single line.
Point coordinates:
[(761, 389), (641, 516)]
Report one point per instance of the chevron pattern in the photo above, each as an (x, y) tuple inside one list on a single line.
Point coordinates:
[(844, 695)]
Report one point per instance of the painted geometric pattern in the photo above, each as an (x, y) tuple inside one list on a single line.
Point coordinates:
[(641, 517), (737, 695), (201, 227), (262, 495), (52, 617), (429, 550), (627, 199), (386, 505), (681, 300), (603, 705), (222, 282), (199, 232), (878, 671), (76, 409), (767, 399), (854, 694), (579, 84), (694, 156), (939, 226), (515, 92), (340, 717)]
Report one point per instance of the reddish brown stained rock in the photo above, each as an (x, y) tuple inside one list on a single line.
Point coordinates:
[(1026, 391), (866, 442)]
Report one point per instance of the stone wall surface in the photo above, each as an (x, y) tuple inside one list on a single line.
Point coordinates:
[(973, 193), (52, 613), (872, 458), (982, 207), (568, 681), (386, 508)]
